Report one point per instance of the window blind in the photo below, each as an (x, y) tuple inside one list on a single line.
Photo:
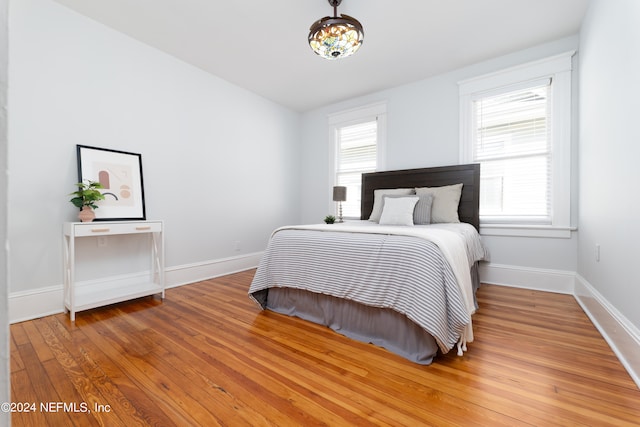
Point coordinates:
[(356, 154), (512, 142)]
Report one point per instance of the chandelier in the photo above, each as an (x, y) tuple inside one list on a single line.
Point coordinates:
[(335, 38)]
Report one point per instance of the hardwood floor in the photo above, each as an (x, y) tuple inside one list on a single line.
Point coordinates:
[(207, 356)]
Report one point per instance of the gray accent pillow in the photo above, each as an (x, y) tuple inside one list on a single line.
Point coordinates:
[(422, 212), (444, 208)]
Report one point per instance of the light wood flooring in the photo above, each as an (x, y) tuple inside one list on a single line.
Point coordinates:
[(207, 356)]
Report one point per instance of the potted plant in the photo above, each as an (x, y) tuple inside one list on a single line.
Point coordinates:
[(86, 197), (329, 219)]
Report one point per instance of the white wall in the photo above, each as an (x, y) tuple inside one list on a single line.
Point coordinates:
[(219, 162), (423, 131), (610, 152)]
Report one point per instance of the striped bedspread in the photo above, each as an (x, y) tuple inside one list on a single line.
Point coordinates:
[(421, 272)]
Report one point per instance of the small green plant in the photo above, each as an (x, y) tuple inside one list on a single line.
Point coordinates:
[(87, 194), (329, 219)]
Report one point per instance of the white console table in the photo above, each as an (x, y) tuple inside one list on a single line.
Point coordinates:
[(87, 296)]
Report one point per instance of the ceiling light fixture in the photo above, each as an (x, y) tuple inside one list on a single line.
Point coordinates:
[(336, 37)]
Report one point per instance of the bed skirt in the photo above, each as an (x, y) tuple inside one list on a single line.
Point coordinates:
[(380, 326)]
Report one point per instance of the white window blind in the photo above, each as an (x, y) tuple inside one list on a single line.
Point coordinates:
[(356, 153), (512, 141)]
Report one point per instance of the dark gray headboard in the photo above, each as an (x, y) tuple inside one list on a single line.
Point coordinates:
[(468, 175)]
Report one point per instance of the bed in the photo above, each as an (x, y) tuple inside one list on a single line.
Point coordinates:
[(394, 278)]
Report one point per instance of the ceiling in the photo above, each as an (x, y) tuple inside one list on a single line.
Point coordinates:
[(261, 45)]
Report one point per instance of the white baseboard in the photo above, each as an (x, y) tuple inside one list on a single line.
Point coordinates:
[(558, 281), (45, 301), (191, 273), (36, 303), (621, 335)]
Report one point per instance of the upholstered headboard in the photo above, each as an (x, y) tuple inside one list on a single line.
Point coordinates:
[(468, 175)]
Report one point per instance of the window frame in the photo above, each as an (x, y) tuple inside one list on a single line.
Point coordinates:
[(558, 68), (367, 113)]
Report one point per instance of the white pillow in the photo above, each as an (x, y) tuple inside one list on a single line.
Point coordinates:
[(398, 210), (446, 199), (378, 202)]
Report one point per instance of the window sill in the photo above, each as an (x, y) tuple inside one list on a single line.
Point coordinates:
[(518, 230)]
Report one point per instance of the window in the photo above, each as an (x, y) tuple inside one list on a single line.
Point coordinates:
[(511, 139), (357, 147), (516, 124), (356, 153)]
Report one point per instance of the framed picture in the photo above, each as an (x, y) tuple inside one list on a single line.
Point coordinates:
[(120, 173)]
